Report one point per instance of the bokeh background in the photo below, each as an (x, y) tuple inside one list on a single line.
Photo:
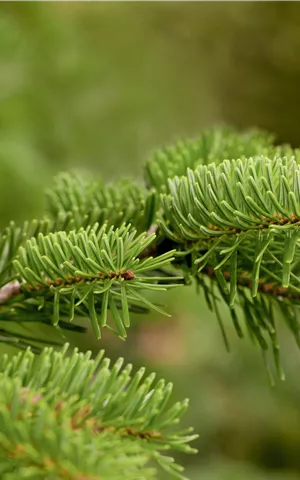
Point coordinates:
[(98, 86)]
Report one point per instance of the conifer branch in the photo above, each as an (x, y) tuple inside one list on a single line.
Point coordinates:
[(222, 210), (213, 145), (268, 288), (73, 410), (79, 268), (90, 201)]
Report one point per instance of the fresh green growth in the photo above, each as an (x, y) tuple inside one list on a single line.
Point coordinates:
[(91, 201), (65, 416), (213, 145), (221, 212), (240, 221), (90, 271)]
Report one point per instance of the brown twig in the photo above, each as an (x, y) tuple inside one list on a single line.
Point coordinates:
[(9, 290), (245, 281), (14, 288)]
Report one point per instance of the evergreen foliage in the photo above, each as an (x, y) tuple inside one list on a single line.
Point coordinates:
[(93, 201), (221, 212), (72, 417)]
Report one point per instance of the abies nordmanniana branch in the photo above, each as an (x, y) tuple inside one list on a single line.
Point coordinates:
[(221, 211), (87, 265), (71, 417)]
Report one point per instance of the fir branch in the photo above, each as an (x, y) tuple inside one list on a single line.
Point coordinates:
[(213, 145), (81, 268), (14, 236), (236, 218), (232, 225), (66, 401), (90, 201), (246, 205), (244, 280)]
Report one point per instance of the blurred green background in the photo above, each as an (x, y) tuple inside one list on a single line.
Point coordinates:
[(97, 86)]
